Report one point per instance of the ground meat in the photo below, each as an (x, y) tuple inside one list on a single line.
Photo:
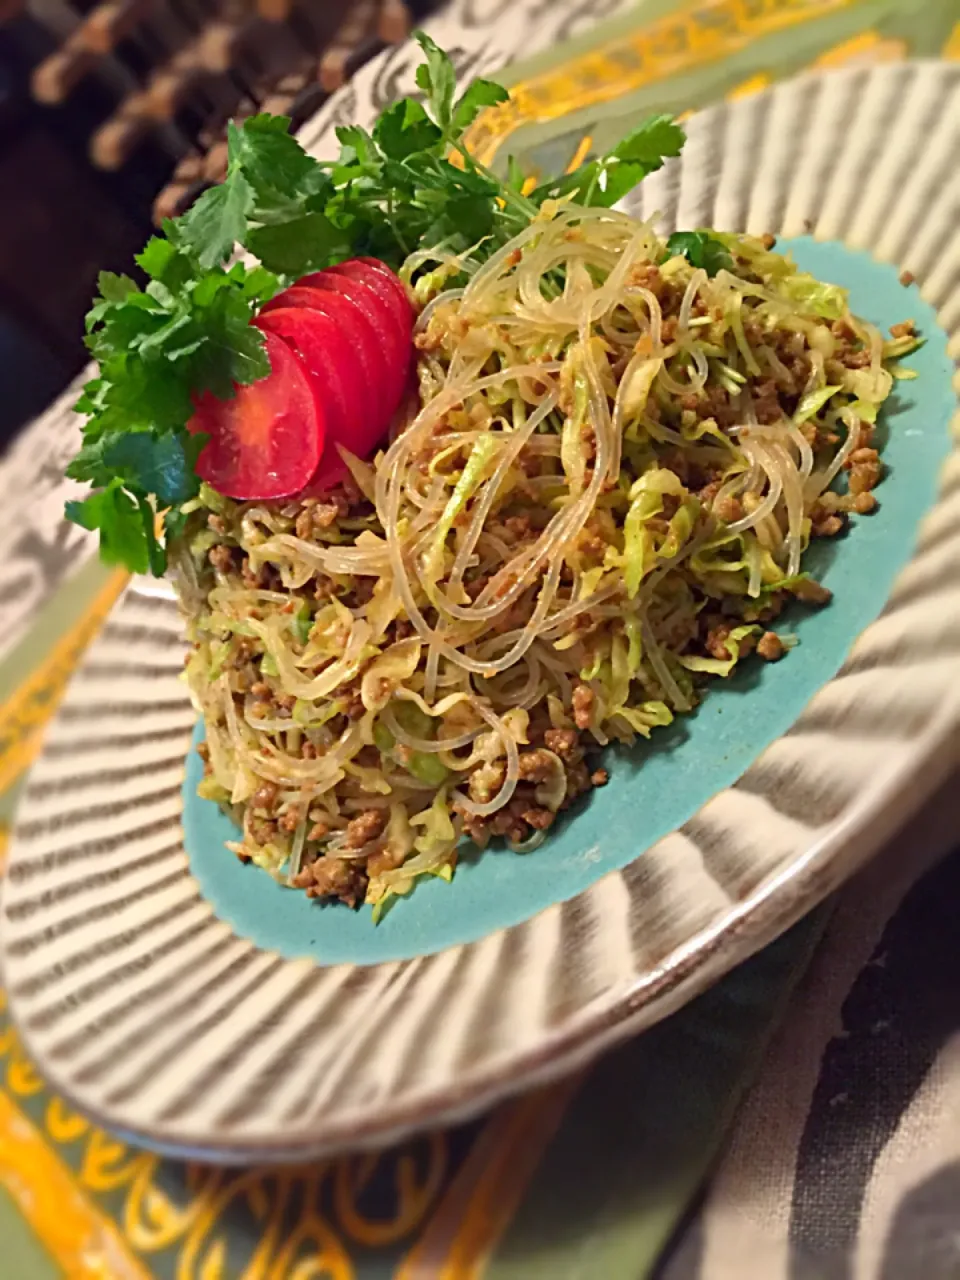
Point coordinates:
[(383, 860), (865, 434), (824, 523), (768, 241), (319, 831), (864, 503), (811, 592), (728, 510), (843, 330), (262, 831), (289, 821), (770, 647), (715, 642), (578, 781), (855, 359), (265, 796), (538, 818), (367, 826), (265, 577), (902, 330), (333, 878), (536, 765), (221, 557), (486, 780), (583, 702), (766, 401), (907, 278), (242, 653), (354, 706), (518, 527), (864, 470), (562, 742), (720, 408), (774, 607), (599, 777), (362, 591), (647, 276)]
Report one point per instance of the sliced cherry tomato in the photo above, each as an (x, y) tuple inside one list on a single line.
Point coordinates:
[(351, 326), (354, 330), (388, 287), (390, 278), (393, 344), (331, 471), (267, 441), (330, 360)]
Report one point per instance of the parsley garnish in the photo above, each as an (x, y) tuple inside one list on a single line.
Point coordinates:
[(701, 249), (409, 183)]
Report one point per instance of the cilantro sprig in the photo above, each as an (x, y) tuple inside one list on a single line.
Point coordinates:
[(410, 182), (701, 249)]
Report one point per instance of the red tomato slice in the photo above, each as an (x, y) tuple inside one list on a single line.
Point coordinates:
[(331, 471), (354, 332), (394, 343), (267, 441), (390, 278), (329, 359), (388, 287)]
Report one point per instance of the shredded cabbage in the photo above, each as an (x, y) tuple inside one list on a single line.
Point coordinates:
[(617, 464)]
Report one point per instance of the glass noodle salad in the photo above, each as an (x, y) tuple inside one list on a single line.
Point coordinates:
[(595, 494)]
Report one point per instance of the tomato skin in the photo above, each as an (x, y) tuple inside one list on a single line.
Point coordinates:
[(389, 278), (331, 472), (393, 344), (268, 440), (329, 360), (354, 332), (377, 276), (340, 346)]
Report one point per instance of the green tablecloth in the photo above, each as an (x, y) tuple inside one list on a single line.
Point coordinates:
[(591, 1177)]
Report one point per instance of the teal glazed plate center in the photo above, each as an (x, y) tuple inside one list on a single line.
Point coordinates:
[(656, 786)]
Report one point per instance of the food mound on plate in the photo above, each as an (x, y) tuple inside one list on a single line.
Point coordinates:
[(497, 483)]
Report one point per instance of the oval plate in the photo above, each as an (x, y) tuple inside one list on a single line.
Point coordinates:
[(196, 1007)]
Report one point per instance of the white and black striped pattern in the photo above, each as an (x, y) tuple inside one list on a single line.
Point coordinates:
[(153, 1016)]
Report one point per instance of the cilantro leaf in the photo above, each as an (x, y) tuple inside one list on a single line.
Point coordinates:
[(302, 245), (119, 518), (649, 144), (438, 80), (211, 228), (701, 249), (515, 175), (269, 157), (114, 288), (409, 182), (143, 460), (359, 150), (156, 257), (404, 129), (476, 96), (605, 181)]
